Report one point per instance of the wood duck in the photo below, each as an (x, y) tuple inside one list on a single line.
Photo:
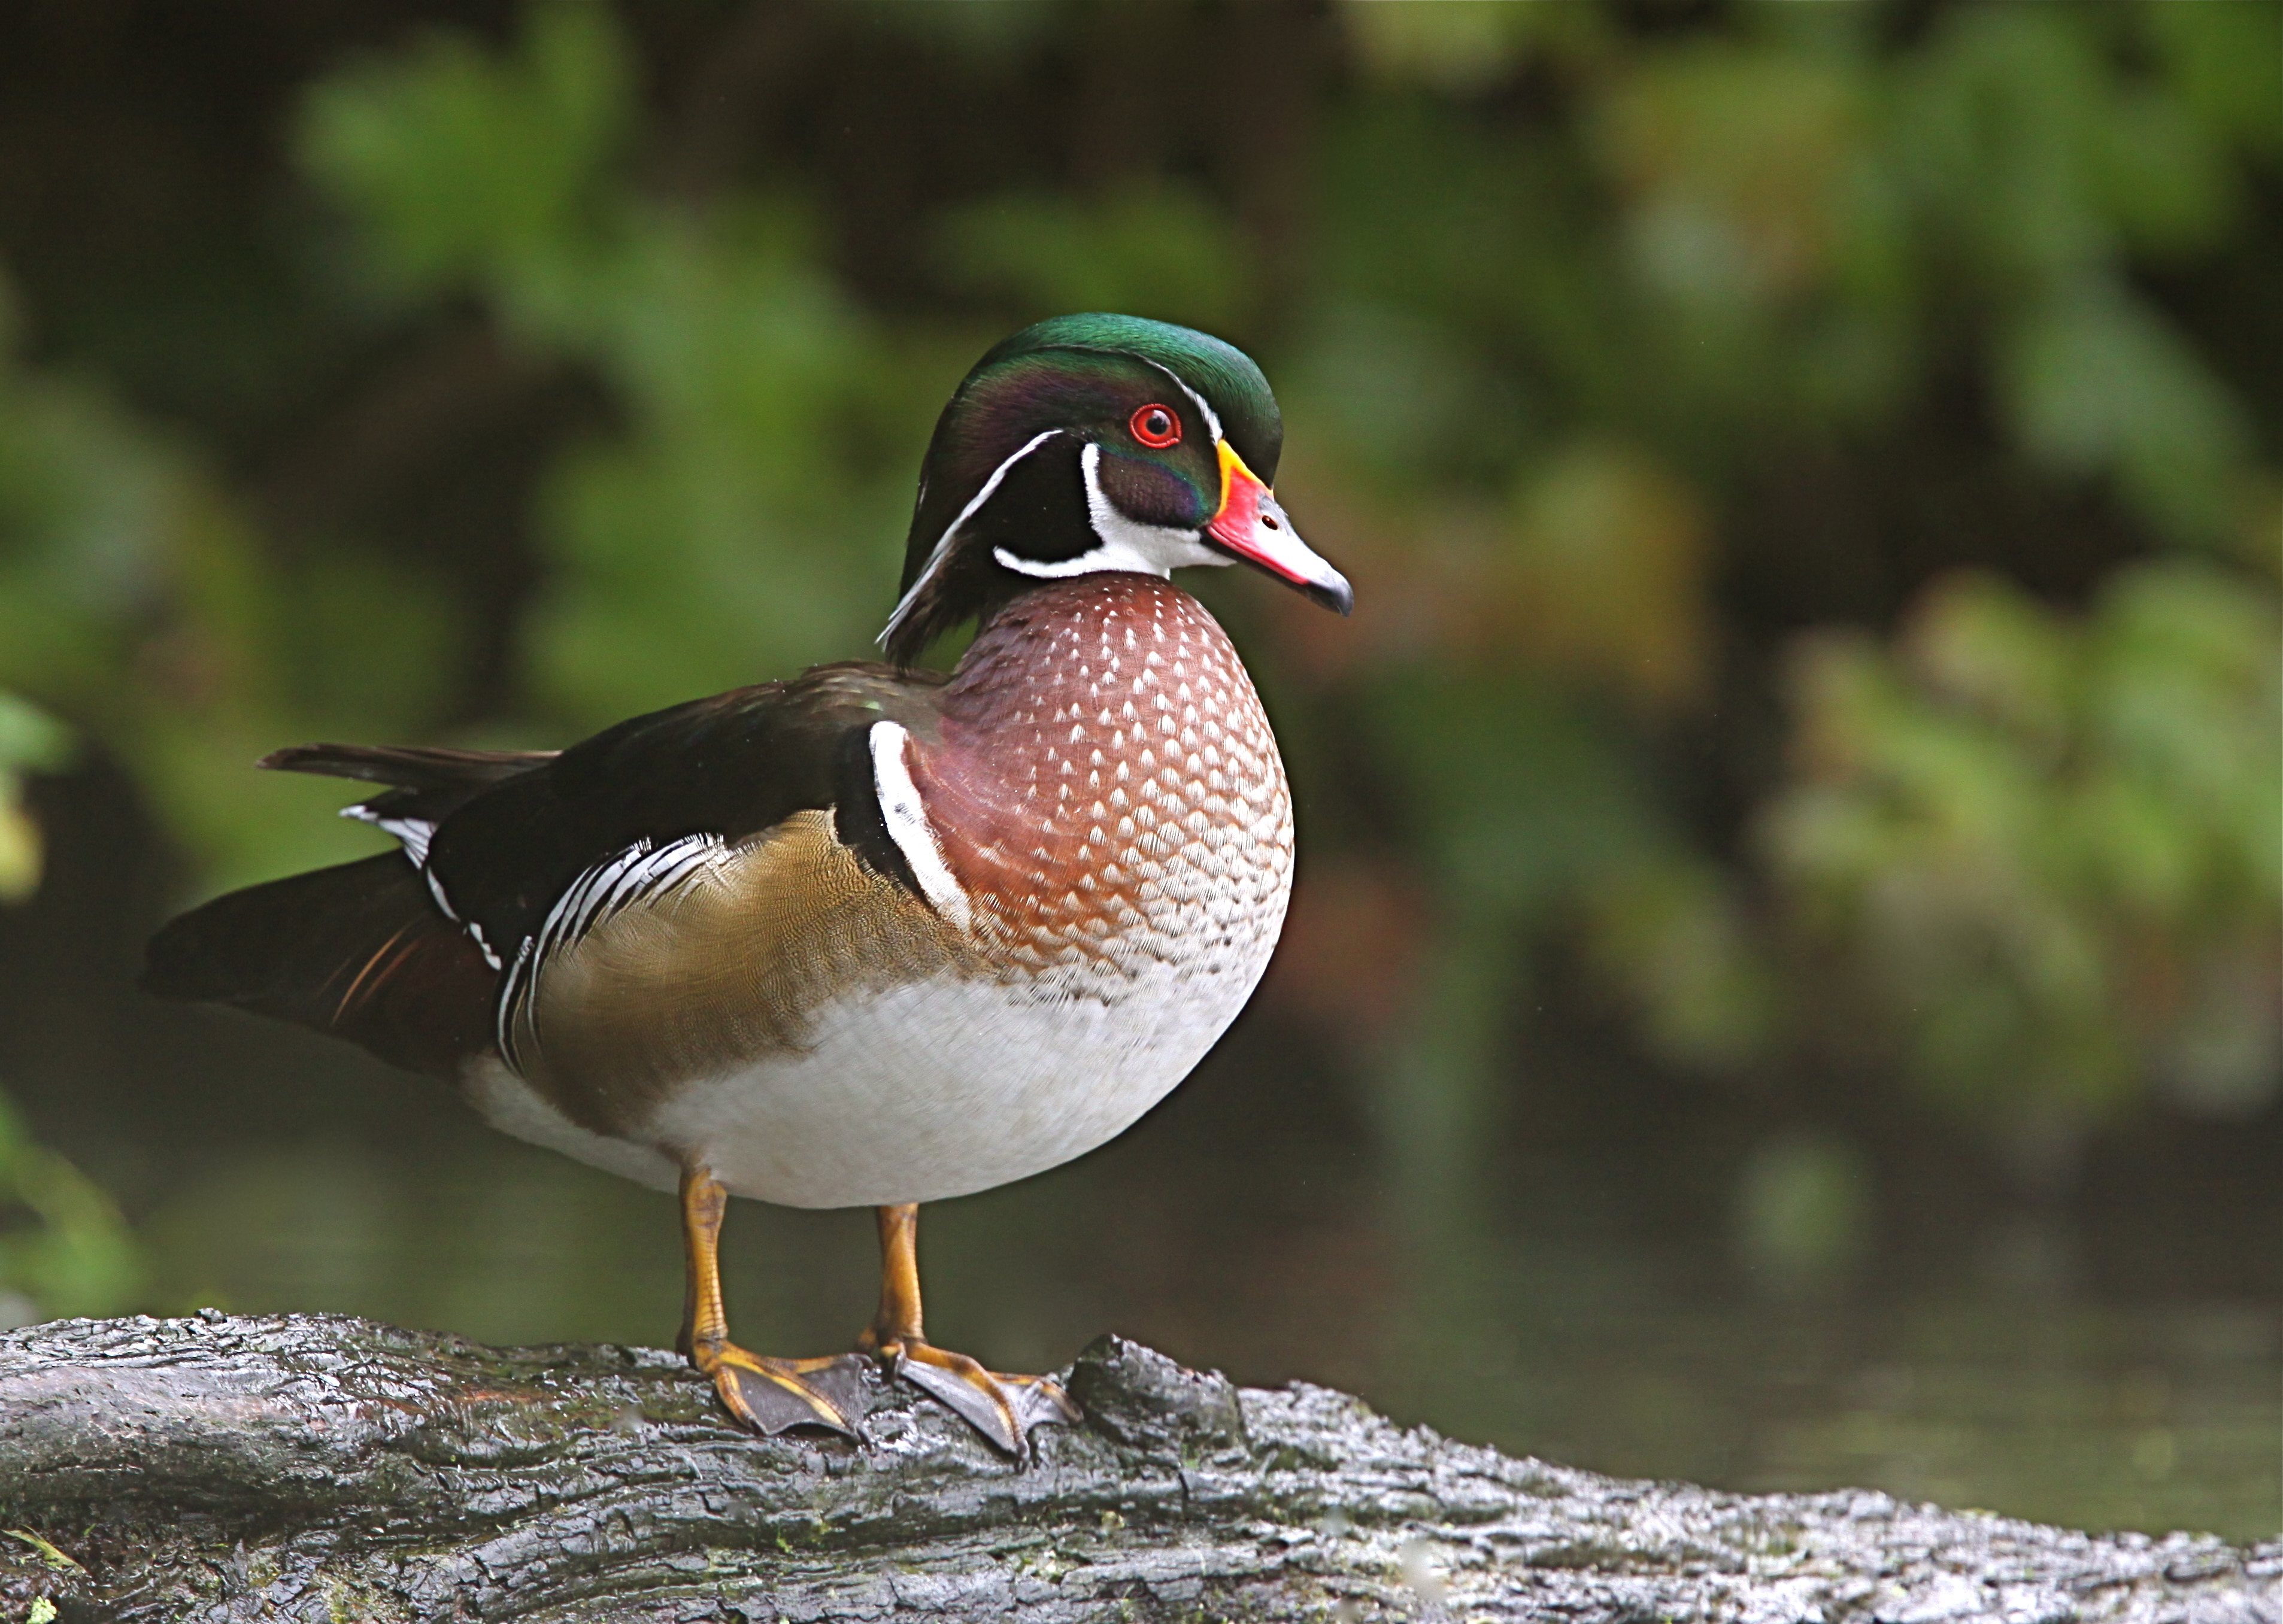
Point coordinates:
[(873, 936)]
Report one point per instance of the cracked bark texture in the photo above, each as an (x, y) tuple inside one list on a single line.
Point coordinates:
[(324, 1469)]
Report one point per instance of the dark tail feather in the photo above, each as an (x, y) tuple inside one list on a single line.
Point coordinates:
[(430, 784), (360, 951)]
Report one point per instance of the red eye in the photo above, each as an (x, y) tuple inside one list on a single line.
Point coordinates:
[(1156, 427)]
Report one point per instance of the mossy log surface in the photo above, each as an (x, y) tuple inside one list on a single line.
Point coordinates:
[(324, 1469)]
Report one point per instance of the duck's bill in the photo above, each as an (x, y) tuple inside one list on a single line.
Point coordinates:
[(1251, 526)]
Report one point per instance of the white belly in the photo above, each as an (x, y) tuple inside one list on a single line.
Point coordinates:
[(923, 1092)]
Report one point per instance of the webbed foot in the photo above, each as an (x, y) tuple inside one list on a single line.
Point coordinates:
[(1003, 1408), (771, 1395)]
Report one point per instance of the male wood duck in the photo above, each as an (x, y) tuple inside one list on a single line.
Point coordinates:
[(874, 936)]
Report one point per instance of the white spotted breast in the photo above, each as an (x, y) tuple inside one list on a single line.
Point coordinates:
[(1109, 795)]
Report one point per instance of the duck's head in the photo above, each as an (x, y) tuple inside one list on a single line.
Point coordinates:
[(1097, 442)]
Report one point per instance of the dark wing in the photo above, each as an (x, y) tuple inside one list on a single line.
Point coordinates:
[(511, 851), (715, 769), (359, 951)]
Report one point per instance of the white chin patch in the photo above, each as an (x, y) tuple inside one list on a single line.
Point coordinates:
[(1122, 543)]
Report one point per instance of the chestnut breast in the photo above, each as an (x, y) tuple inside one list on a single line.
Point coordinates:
[(1108, 792)]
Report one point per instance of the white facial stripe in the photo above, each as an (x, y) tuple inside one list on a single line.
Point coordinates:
[(1126, 543), (942, 549), (1212, 419), (908, 822)]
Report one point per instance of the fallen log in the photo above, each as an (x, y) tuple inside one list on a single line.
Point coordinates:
[(327, 1469)]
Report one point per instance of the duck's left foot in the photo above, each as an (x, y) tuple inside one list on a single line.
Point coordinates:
[(1003, 1408)]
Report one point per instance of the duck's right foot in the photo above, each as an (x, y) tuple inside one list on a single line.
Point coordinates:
[(771, 1395)]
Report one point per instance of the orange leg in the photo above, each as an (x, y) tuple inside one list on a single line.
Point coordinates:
[(766, 1395), (1003, 1408)]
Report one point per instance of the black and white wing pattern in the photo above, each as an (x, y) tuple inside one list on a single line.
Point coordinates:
[(643, 876)]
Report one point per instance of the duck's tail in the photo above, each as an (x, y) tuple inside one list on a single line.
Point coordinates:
[(359, 951)]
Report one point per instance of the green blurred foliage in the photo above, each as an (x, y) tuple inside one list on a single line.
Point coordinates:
[(72, 1254), (136, 597), (30, 741), (1784, 236), (1558, 303), (64, 1247), (2048, 847), (743, 521)]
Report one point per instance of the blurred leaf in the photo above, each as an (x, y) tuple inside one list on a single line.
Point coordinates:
[(1398, 398), (1672, 933), (1733, 156), (1609, 572), (86, 505), (1995, 127), (1986, 646), (1520, 799), (2163, 175), (2098, 382), (723, 537), (2221, 56), (1459, 47), (77, 1256), (464, 164), (29, 741), (135, 600)]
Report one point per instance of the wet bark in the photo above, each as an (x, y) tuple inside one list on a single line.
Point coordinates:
[(328, 1468)]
